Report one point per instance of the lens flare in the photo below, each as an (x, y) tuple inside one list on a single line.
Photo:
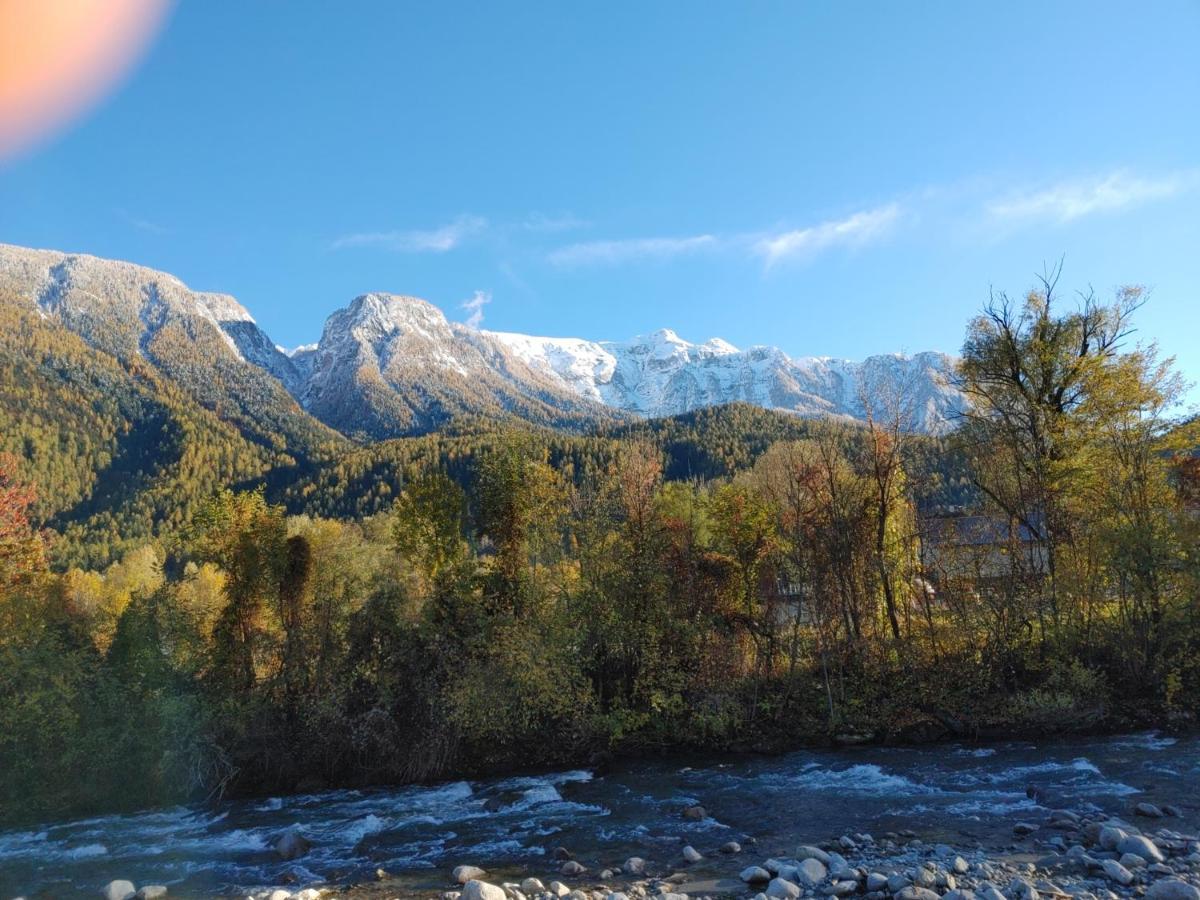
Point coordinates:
[(58, 58)]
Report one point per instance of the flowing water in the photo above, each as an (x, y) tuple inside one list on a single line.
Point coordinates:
[(953, 793)]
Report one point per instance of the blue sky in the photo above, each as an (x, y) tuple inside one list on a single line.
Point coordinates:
[(834, 178)]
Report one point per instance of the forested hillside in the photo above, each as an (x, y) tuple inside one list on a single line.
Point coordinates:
[(503, 597), (118, 454)]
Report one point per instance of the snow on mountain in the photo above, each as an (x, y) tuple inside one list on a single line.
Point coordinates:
[(661, 375), (121, 307), (388, 365)]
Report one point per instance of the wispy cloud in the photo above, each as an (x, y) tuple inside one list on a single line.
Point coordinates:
[(542, 222), (1071, 200), (434, 240), (475, 307), (603, 253), (139, 223), (855, 230)]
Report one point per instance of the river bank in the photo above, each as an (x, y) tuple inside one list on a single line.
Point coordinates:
[(968, 798)]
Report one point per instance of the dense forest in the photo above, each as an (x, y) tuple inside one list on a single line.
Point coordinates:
[(239, 619)]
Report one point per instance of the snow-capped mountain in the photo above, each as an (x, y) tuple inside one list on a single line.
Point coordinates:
[(662, 375), (389, 365)]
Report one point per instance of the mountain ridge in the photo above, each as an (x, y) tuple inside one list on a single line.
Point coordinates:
[(392, 365)]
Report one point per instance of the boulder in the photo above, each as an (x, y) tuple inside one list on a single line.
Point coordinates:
[(1110, 836), (1116, 872), (482, 890), (118, 890), (755, 875), (635, 865), (292, 844), (691, 854), (532, 886), (463, 874), (1132, 861), (842, 888), (1172, 889), (876, 882), (558, 889), (912, 892), (811, 872), (960, 866), (157, 891), (1139, 846), (781, 887), (571, 868), (816, 853)]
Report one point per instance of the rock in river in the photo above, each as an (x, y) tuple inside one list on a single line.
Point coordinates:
[(481, 890), (292, 845), (463, 874), (118, 890)]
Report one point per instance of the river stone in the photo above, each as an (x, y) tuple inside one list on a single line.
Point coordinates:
[(990, 892), (292, 845), (532, 886), (1148, 810), (1117, 872), (1132, 861), (463, 874), (571, 868), (157, 891), (558, 889), (635, 865), (781, 887), (1140, 846), (695, 813), (482, 890), (876, 882), (691, 854), (912, 892), (1172, 889), (959, 894), (617, 895), (811, 872), (1110, 836), (577, 894), (731, 847), (280, 894), (960, 866), (807, 852), (118, 890), (843, 888), (755, 875), (897, 882)]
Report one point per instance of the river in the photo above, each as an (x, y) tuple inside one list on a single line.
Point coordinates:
[(956, 793)]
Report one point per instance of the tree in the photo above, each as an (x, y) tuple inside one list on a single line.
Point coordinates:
[(1033, 376), (245, 536)]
